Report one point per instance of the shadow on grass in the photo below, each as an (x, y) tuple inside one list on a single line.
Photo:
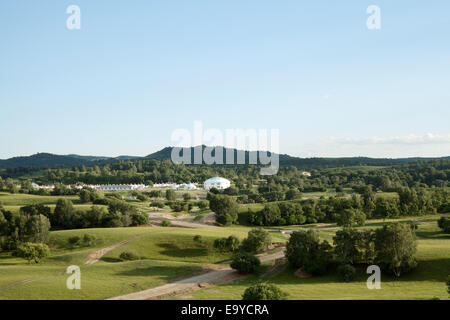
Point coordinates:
[(164, 272), (173, 250), (110, 259), (432, 234)]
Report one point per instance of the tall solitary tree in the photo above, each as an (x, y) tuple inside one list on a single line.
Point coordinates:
[(395, 246)]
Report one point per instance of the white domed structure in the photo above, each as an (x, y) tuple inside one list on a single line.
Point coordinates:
[(216, 182)]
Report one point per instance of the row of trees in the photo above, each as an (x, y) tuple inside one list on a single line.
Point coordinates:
[(33, 222), (354, 210), (428, 174), (391, 247)]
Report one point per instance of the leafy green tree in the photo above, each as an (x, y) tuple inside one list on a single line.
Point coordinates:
[(32, 251), (257, 240), (386, 208), (225, 208), (170, 195), (293, 194), (271, 214), (264, 291), (64, 214), (304, 250), (37, 229), (444, 224), (346, 243), (395, 246), (346, 272), (351, 217), (245, 263)]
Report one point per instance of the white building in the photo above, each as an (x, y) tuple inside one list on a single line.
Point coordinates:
[(216, 182), (188, 186), (117, 187)]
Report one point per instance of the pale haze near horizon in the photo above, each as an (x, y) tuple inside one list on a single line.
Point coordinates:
[(137, 71)]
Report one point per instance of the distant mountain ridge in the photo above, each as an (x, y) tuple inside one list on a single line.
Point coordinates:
[(49, 160)]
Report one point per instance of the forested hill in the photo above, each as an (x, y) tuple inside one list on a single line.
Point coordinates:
[(48, 160), (305, 163)]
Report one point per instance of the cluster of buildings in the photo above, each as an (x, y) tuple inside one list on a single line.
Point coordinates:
[(215, 182), (116, 187)]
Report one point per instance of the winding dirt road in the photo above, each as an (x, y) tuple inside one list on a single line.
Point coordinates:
[(194, 283)]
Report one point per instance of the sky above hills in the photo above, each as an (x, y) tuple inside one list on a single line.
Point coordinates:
[(138, 70)]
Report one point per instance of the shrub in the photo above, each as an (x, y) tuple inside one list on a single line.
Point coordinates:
[(73, 241), (202, 204), (186, 196), (142, 197), (264, 291), (157, 204), (165, 223), (444, 224), (346, 272), (227, 244), (170, 195), (128, 256), (138, 219), (257, 240), (89, 240), (245, 263), (197, 238)]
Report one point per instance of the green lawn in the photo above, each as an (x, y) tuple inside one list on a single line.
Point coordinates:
[(19, 199)]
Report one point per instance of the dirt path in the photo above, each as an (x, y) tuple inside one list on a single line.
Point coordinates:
[(24, 282), (97, 255), (194, 283)]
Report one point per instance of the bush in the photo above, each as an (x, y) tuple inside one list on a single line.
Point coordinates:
[(227, 244), (245, 263), (263, 291), (444, 224), (157, 204), (186, 196), (138, 219), (89, 240), (197, 238), (257, 240), (346, 272), (165, 223), (73, 241), (128, 256), (202, 204)]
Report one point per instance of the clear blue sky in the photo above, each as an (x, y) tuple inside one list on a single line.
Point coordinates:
[(137, 70)]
